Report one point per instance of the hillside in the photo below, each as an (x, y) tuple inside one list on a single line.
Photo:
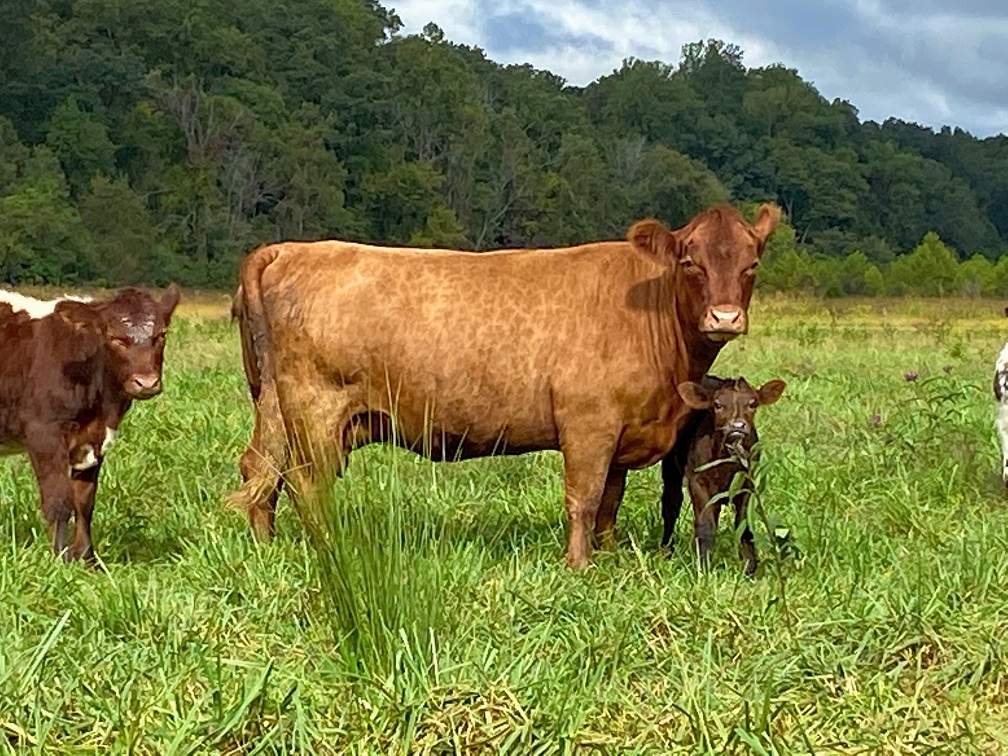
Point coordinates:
[(144, 142)]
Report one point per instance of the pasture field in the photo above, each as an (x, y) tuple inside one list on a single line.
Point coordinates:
[(431, 612)]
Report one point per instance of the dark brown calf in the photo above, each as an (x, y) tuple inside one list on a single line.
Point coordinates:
[(70, 371), (721, 432)]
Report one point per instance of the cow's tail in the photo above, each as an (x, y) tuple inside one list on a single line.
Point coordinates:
[(265, 459)]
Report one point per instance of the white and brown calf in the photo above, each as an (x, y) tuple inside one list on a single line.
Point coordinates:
[(69, 373), (1001, 397)]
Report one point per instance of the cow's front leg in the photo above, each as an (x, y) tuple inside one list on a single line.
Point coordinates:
[(586, 469), (84, 485), (612, 497), (51, 463)]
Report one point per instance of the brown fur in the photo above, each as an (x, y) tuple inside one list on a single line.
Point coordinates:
[(576, 349), (65, 379), (715, 457)]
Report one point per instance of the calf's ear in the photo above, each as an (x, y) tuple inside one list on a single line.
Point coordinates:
[(81, 315), (653, 239), (766, 221), (770, 391), (694, 395), (169, 301)]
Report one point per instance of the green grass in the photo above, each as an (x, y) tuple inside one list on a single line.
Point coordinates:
[(443, 620)]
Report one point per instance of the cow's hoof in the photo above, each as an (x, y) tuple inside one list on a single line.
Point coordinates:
[(577, 563)]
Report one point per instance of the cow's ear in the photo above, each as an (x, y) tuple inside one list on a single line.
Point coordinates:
[(770, 391), (169, 301), (695, 395), (655, 240), (81, 315), (766, 221)]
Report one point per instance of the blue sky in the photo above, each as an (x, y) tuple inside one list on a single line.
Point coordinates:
[(930, 61)]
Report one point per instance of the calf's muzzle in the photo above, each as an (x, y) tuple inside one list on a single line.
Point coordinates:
[(143, 386)]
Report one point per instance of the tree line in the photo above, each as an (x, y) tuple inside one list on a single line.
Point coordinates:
[(144, 142)]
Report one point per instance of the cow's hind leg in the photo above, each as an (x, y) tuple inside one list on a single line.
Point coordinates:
[(262, 466), (321, 431), (612, 497)]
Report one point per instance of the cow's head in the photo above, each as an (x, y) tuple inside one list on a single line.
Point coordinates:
[(133, 326), (733, 403), (715, 257)]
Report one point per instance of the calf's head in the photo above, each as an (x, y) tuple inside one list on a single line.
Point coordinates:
[(133, 326), (714, 258), (733, 403)]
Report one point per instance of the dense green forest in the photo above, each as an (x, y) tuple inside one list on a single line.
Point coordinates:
[(142, 142)]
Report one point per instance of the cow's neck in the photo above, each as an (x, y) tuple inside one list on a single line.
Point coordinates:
[(686, 353)]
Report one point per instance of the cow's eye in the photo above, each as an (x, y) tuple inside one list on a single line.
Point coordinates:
[(690, 266), (718, 405), (751, 270), (752, 404), (120, 342)]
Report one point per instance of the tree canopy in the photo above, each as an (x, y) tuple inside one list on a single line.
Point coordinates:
[(141, 142)]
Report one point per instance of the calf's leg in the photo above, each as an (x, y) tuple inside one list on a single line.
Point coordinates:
[(84, 485), (705, 519), (612, 497), (747, 545), (51, 463), (1002, 429)]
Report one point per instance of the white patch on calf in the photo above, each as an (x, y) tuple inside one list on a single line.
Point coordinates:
[(36, 308), (139, 333), (1001, 395), (86, 458), (110, 434)]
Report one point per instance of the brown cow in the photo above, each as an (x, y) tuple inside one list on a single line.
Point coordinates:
[(70, 371), (724, 432), (577, 349)]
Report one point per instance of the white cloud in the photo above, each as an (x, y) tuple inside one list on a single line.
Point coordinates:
[(932, 64), (456, 17)]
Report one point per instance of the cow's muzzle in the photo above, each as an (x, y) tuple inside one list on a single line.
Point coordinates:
[(143, 386), (724, 322)]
